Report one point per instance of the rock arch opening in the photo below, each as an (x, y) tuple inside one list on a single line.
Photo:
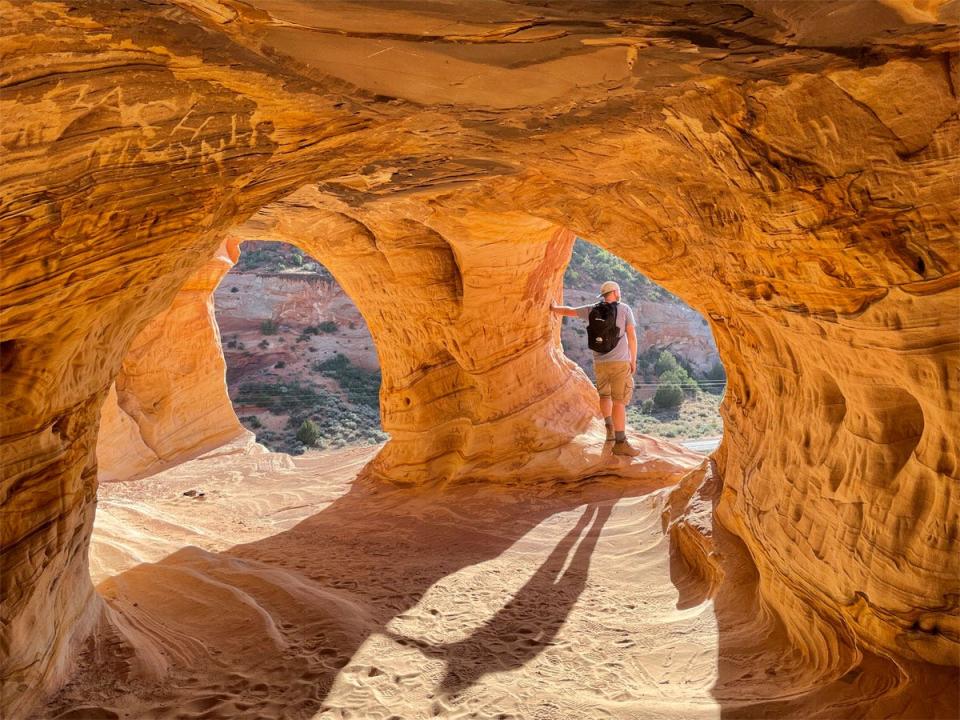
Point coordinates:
[(680, 379), (301, 366)]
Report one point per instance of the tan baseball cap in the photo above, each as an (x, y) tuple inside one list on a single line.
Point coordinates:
[(608, 286)]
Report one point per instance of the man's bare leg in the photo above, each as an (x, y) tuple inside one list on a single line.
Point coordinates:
[(606, 408), (620, 445), (619, 416)]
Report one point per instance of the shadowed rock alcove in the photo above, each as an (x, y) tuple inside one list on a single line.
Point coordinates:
[(785, 168)]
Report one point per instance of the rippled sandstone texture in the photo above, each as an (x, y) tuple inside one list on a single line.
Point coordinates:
[(786, 168), (168, 404)]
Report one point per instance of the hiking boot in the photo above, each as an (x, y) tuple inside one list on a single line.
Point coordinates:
[(611, 436), (625, 448)]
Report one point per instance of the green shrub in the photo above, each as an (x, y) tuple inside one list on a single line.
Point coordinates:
[(263, 344), (280, 365), (308, 433), (665, 362), (328, 326), (280, 398), (234, 289), (251, 421), (646, 407), (251, 259), (679, 376), (268, 327), (668, 395)]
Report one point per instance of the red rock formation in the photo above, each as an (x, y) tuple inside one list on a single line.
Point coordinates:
[(291, 298), (786, 168)]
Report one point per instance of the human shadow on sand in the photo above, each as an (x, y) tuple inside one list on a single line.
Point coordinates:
[(529, 622), (265, 628)]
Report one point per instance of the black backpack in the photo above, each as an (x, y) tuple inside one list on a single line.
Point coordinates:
[(602, 331)]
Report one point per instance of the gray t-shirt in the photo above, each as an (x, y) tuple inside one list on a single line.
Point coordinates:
[(620, 353)]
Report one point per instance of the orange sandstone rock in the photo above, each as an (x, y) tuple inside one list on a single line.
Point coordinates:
[(786, 168), (169, 401)]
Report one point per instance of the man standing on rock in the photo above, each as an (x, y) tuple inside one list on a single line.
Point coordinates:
[(614, 361)]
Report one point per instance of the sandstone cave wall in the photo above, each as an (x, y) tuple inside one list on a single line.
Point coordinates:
[(469, 358), (169, 402), (788, 171), (125, 160)]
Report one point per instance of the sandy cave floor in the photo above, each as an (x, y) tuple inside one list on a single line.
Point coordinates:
[(292, 590)]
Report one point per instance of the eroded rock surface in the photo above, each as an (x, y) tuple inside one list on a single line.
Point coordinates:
[(787, 168), (168, 403)]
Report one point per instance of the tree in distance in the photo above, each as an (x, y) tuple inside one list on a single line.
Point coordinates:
[(668, 395), (308, 433)]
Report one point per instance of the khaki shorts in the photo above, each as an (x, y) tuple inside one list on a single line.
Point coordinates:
[(614, 380)]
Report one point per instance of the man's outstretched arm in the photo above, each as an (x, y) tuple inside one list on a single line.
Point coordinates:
[(563, 310)]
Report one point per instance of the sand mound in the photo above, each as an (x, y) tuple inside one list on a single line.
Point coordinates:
[(289, 589)]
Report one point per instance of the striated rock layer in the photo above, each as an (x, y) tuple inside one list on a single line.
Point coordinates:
[(787, 168), (168, 403)]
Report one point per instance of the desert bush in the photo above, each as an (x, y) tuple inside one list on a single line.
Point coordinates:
[(308, 433), (328, 326), (646, 359), (280, 364), (679, 376), (268, 327), (665, 362), (263, 344), (280, 398), (668, 395), (251, 421)]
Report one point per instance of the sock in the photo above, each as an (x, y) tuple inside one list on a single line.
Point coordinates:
[(621, 435), (608, 421)]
